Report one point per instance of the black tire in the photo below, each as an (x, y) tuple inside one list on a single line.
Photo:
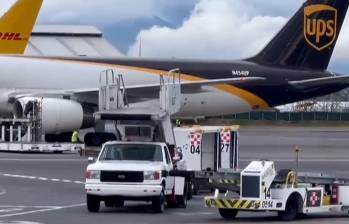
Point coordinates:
[(195, 189), (158, 203), (109, 203), (119, 203), (57, 152), (183, 199), (293, 207), (93, 203), (228, 214), (96, 140), (190, 188)]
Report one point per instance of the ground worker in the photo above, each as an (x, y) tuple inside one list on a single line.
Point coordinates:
[(178, 123), (75, 137)]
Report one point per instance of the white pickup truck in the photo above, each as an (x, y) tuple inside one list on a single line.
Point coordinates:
[(136, 171)]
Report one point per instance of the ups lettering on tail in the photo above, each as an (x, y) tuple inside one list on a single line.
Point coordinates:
[(320, 26), (10, 36)]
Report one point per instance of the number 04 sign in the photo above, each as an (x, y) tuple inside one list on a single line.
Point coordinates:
[(195, 143)]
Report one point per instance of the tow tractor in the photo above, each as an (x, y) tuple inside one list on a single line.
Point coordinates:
[(259, 187)]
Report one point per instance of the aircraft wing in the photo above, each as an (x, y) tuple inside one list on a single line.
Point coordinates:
[(315, 83), (135, 93), (187, 87)]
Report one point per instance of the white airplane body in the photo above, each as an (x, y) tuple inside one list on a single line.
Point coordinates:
[(40, 76)]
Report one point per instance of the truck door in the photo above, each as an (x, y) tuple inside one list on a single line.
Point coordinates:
[(228, 150), (170, 180), (208, 151), (189, 144)]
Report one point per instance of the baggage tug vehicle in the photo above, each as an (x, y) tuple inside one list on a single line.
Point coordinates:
[(259, 187)]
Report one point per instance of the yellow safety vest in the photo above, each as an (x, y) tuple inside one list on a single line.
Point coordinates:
[(75, 137)]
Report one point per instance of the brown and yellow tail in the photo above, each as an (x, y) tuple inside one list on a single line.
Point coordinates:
[(16, 26)]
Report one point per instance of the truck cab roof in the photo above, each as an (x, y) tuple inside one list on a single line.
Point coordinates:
[(135, 143)]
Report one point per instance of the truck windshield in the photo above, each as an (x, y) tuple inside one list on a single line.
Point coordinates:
[(132, 152)]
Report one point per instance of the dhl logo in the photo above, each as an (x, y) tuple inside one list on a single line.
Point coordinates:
[(320, 33), (11, 36)]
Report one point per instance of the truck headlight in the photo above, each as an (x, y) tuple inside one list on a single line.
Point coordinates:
[(151, 175), (93, 174)]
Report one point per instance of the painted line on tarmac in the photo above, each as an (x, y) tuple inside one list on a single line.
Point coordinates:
[(302, 160), (41, 179), (192, 213), (45, 160), (2, 191), (44, 209)]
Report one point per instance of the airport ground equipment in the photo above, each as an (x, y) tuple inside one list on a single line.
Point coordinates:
[(27, 135), (203, 150), (207, 150), (259, 187), (115, 107), (137, 171)]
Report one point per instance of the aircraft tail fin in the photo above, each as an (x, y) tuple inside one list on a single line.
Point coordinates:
[(309, 38), (16, 26)]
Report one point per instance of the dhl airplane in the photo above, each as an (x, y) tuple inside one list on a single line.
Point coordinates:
[(292, 67), (16, 26)]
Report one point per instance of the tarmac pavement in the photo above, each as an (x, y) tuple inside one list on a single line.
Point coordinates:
[(48, 188)]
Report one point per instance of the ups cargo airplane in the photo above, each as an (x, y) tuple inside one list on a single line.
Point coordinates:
[(292, 67)]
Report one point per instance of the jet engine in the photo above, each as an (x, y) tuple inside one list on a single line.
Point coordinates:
[(57, 115)]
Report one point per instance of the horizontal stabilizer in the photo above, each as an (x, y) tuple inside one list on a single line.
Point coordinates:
[(315, 83)]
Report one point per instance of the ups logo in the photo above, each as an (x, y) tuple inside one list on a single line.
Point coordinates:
[(320, 33)]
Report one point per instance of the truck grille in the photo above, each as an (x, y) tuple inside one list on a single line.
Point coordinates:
[(250, 186), (122, 176)]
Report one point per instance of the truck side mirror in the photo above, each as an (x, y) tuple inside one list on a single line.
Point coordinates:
[(91, 160)]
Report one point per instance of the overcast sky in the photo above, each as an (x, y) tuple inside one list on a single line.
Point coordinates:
[(224, 29)]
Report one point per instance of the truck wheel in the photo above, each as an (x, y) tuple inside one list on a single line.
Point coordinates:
[(93, 203), (119, 203), (190, 188), (158, 203), (183, 199), (292, 208), (228, 214), (109, 203), (195, 190)]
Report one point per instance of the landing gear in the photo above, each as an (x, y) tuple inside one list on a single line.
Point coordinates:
[(63, 137), (98, 138)]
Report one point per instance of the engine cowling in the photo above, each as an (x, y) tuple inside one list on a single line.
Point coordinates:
[(57, 115)]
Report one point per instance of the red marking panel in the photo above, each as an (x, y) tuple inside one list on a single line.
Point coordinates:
[(225, 137), (195, 138), (313, 198)]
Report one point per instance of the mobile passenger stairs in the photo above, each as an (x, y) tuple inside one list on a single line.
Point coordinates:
[(115, 108), (27, 135)]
